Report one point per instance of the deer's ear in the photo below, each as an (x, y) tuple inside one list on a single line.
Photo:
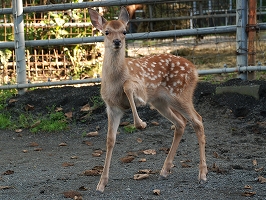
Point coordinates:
[(96, 19), (124, 16)]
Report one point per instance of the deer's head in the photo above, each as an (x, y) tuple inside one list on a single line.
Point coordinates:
[(114, 31)]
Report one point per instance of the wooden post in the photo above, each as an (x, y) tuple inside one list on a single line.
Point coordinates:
[(251, 31)]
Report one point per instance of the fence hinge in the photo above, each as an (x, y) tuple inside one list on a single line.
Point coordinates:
[(252, 27)]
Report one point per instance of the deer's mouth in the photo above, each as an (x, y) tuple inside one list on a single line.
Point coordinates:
[(117, 44)]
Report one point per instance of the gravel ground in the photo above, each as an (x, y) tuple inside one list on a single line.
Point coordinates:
[(57, 165)]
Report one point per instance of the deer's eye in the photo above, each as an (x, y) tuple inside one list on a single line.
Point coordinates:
[(124, 32), (106, 32)]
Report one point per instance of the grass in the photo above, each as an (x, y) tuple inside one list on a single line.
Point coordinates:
[(52, 122)]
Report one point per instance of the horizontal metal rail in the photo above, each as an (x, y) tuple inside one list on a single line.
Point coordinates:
[(98, 80), (103, 3)]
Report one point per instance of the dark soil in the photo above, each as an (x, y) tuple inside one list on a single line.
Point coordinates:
[(47, 165)]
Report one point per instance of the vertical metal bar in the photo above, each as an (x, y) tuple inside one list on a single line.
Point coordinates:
[(19, 43), (241, 36), (251, 30)]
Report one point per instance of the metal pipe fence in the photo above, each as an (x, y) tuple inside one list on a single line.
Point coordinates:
[(202, 19)]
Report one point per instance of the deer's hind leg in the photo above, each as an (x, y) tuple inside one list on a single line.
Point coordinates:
[(180, 124)]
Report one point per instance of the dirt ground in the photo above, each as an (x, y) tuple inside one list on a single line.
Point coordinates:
[(59, 165)]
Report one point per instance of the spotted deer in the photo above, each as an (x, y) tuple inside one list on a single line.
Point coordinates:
[(164, 81)]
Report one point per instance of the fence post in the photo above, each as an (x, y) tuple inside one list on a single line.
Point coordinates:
[(19, 43), (251, 31), (241, 36)]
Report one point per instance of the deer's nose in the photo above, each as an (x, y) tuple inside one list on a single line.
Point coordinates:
[(117, 43)]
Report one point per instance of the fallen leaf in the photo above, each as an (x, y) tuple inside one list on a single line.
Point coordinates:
[(165, 149), (259, 169), (5, 187), (185, 165), (95, 171), (132, 154), (8, 172), (255, 163), (173, 127), (12, 101), (37, 149), (69, 115), (97, 128), (149, 152), (58, 109), (85, 108), (33, 144), (145, 171), (74, 157), (71, 194), (156, 192), (248, 194), (155, 123), (215, 155), (62, 144), (25, 151), (97, 153), (36, 124), (261, 179), (92, 134), (124, 123), (142, 160), (87, 143), (29, 107), (18, 130), (247, 187), (139, 140), (140, 176), (78, 198), (66, 164), (127, 159), (82, 188)]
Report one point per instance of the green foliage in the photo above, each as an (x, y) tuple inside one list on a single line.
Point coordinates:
[(55, 121), (5, 121), (130, 128)]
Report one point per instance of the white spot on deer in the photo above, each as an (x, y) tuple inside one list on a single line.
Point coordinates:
[(182, 68), (174, 84), (131, 68), (186, 64), (152, 65), (177, 63), (130, 62)]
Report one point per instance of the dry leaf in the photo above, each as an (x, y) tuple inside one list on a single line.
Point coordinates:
[(85, 108), (95, 171), (165, 149), (69, 115), (87, 143), (140, 176), (248, 194), (12, 101), (247, 187), (25, 151), (93, 134), (127, 159), (78, 198), (185, 165), (74, 157), (139, 140), (173, 127), (97, 128), (261, 179), (66, 164), (97, 153), (145, 171), (36, 124), (8, 172), (37, 149), (255, 163), (259, 169), (132, 154), (155, 123), (62, 144), (82, 188), (71, 194), (215, 155), (142, 160), (5, 187), (124, 123), (58, 109), (156, 192), (18, 130), (33, 144), (29, 107), (149, 152)]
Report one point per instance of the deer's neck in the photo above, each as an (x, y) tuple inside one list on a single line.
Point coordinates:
[(114, 64)]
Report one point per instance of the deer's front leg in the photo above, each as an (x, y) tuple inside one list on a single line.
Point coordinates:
[(114, 116), (129, 90)]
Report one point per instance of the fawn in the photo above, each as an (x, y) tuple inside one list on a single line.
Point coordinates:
[(165, 81)]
